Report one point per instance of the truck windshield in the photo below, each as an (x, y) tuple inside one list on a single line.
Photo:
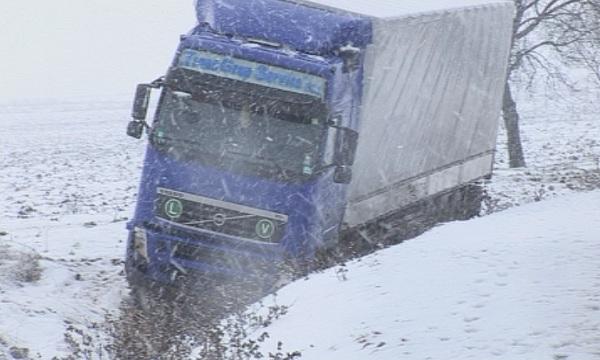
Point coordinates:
[(269, 138)]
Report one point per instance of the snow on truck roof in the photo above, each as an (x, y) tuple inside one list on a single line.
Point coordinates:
[(398, 8)]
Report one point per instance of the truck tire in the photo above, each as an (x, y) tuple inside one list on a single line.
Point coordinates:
[(460, 203)]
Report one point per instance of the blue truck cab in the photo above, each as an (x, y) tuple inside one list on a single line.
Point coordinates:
[(251, 148)]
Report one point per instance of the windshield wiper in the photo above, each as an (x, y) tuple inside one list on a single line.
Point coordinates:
[(283, 171), (191, 146)]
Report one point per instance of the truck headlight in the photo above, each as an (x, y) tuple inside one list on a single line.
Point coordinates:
[(140, 241)]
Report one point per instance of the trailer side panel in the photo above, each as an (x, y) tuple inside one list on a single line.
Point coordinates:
[(431, 106)]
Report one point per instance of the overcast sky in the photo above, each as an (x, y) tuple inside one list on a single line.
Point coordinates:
[(81, 48)]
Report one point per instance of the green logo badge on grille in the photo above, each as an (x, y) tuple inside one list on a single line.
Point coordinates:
[(265, 229), (173, 208)]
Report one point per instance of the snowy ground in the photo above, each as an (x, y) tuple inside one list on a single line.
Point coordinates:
[(67, 158), (561, 140), (520, 284), (68, 182)]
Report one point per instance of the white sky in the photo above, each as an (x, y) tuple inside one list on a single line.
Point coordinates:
[(81, 48)]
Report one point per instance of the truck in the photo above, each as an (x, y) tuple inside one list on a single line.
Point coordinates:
[(282, 124)]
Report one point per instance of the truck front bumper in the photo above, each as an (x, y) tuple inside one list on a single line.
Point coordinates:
[(170, 259)]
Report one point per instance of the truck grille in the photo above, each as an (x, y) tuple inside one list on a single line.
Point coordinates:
[(197, 212)]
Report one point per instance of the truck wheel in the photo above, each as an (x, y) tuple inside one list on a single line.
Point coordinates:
[(467, 202), (145, 294), (459, 204)]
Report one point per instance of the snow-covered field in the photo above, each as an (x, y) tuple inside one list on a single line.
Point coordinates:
[(67, 158), (561, 140), (67, 185), (521, 284)]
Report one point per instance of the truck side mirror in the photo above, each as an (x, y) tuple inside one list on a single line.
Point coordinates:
[(342, 175), (351, 57), (141, 101), (346, 144), (135, 129)]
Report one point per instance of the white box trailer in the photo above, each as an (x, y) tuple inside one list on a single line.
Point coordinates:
[(433, 85)]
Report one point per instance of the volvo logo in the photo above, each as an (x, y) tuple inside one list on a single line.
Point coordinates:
[(219, 219), (265, 229), (173, 208)]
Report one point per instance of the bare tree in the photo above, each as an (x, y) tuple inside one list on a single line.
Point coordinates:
[(547, 35)]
